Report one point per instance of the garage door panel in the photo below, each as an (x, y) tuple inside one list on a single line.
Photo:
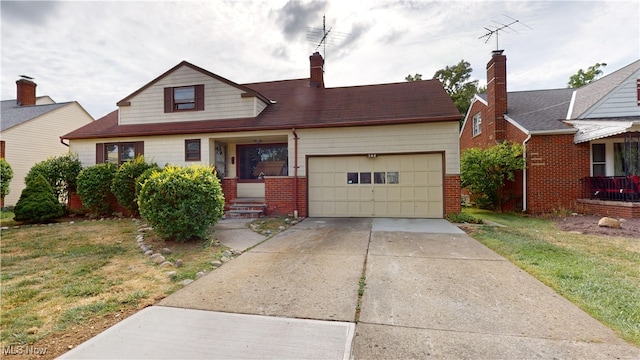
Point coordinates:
[(385, 186)]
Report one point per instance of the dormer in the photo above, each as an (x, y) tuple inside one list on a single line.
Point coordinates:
[(189, 93)]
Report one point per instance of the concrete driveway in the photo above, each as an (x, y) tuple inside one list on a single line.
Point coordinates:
[(431, 291)]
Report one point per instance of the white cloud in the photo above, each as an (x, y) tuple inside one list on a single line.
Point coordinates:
[(99, 52)]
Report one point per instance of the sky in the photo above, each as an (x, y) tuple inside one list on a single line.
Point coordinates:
[(98, 52)]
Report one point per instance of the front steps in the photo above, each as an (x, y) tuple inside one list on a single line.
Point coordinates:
[(246, 208)]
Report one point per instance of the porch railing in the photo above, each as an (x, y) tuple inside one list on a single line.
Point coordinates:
[(613, 188)]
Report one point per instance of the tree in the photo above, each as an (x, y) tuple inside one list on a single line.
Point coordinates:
[(37, 202), (484, 172), (582, 77), (416, 77), (6, 174), (455, 80)]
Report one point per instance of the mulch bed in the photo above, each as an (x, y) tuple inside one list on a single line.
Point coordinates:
[(589, 225)]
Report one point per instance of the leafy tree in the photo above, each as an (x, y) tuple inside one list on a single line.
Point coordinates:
[(123, 185), (416, 77), (181, 202), (94, 188), (582, 77), (61, 172), (455, 80), (6, 174), (484, 172), (37, 202)]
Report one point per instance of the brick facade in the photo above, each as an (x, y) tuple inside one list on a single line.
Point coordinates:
[(452, 204), (609, 208), (279, 195), (229, 190)]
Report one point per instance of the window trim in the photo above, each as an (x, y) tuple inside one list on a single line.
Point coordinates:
[(476, 124), (170, 105), (186, 150), (101, 150)]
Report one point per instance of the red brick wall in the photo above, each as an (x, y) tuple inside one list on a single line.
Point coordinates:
[(555, 169), (229, 190), (496, 96), (615, 209), (279, 195), (452, 194), (467, 140)]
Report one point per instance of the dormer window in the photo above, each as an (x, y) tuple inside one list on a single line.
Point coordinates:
[(184, 98)]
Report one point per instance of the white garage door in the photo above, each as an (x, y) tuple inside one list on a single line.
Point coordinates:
[(383, 186)]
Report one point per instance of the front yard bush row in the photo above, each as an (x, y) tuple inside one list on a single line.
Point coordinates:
[(61, 173), (123, 185), (94, 188)]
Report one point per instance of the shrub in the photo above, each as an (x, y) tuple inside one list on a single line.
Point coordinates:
[(181, 202), (124, 182), (484, 172), (463, 218), (61, 172), (94, 188), (37, 202), (6, 174)]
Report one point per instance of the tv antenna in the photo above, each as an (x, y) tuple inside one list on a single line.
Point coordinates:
[(502, 27), (320, 37)]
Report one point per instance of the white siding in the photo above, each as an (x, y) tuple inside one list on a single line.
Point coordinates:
[(37, 140), (388, 139), (222, 101), (622, 101)]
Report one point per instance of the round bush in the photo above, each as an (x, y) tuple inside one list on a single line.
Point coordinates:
[(61, 172), (181, 202), (6, 174), (124, 182), (37, 202), (94, 188)]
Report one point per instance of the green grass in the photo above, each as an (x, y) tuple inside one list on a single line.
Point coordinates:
[(598, 273)]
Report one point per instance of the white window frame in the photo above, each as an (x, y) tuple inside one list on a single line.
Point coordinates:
[(477, 124)]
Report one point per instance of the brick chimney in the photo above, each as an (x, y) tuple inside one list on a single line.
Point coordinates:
[(317, 70), (26, 92), (497, 95)]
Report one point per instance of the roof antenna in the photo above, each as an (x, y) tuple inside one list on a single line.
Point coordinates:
[(320, 37), (26, 77), (503, 27)]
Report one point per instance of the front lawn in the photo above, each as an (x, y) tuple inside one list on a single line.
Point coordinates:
[(600, 274), (64, 283)]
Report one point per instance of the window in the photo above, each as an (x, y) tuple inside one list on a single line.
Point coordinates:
[(257, 161), (365, 178), (118, 153), (477, 124), (598, 159), (192, 150), (184, 98), (352, 178), (626, 158), (390, 177)]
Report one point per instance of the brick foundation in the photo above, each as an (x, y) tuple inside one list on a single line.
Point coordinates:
[(279, 195), (617, 209)]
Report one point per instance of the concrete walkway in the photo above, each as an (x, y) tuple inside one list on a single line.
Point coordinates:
[(431, 291)]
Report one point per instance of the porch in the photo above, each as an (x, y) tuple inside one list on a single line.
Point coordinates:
[(617, 196)]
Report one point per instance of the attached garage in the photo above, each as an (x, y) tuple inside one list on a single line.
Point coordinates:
[(376, 185)]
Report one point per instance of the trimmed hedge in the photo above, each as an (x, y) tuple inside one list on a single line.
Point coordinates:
[(123, 185), (61, 172), (181, 202), (94, 188)]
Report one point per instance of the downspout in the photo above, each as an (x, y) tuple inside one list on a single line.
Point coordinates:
[(295, 173), (63, 143), (524, 173)]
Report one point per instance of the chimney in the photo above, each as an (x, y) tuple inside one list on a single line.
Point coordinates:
[(497, 95), (26, 92), (317, 70)]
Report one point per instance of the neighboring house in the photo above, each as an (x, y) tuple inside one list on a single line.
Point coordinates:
[(582, 146), (30, 131), (293, 146)]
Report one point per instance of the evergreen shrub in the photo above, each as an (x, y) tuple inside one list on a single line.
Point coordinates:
[(123, 185), (37, 202), (94, 188)]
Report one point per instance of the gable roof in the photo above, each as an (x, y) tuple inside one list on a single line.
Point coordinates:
[(13, 115), (296, 105), (248, 91), (587, 96)]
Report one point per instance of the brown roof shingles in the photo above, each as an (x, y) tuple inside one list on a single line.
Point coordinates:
[(299, 106)]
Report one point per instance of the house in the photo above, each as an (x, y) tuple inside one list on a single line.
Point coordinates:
[(30, 131), (293, 146), (581, 145)]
